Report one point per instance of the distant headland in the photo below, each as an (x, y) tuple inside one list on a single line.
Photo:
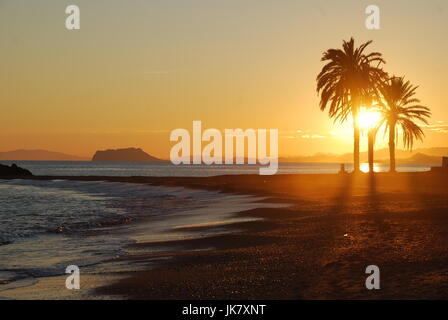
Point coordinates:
[(124, 155)]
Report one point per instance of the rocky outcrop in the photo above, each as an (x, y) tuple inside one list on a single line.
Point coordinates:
[(13, 171), (124, 155)]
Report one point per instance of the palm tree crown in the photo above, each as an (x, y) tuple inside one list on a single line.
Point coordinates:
[(400, 108), (349, 75)]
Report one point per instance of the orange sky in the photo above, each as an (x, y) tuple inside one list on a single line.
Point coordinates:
[(135, 72)]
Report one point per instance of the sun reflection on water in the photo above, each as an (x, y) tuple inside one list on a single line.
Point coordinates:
[(365, 167)]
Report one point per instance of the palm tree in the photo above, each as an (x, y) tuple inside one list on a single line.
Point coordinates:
[(400, 108), (373, 130), (345, 82)]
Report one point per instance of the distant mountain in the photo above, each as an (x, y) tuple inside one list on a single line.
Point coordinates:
[(422, 155), (440, 152), (39, 155), (124, 155), (422, 158)]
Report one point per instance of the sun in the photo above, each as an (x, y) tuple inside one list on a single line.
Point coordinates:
[(368, 118)]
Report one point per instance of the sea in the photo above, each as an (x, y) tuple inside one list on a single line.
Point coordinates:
[(162, 169), (47, 225)]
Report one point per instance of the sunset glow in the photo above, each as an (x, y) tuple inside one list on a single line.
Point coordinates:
[(368, 119), (136, 86)]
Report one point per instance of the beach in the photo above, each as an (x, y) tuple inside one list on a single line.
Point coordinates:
[(224, 150), (316, 246)]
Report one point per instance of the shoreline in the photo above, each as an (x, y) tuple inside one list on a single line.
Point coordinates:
[(317, 248), (214, 219), (154, 169)]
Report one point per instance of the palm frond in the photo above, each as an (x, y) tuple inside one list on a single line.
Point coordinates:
[(400, 108)]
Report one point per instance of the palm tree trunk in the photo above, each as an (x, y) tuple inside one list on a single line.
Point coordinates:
[(371, 149), (355, 145), (392, 147)]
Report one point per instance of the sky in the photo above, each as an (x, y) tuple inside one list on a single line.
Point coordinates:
[(136, 70)]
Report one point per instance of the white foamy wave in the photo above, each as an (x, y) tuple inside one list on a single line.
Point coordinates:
[(31, 207)]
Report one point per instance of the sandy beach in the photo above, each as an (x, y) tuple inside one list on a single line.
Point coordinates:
[(316, 247)]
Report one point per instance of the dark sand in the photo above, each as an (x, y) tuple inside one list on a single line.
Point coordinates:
[(318, 248)]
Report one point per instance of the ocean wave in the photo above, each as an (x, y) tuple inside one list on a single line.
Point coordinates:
[(32, 207)]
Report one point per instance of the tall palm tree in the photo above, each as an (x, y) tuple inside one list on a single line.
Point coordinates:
[(371, 148), (346, 81), (372, 131), (400, 108)]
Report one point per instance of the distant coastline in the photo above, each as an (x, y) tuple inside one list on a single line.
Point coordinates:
[(39, 155)]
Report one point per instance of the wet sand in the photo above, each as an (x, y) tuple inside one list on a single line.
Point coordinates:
[(316, 248)]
